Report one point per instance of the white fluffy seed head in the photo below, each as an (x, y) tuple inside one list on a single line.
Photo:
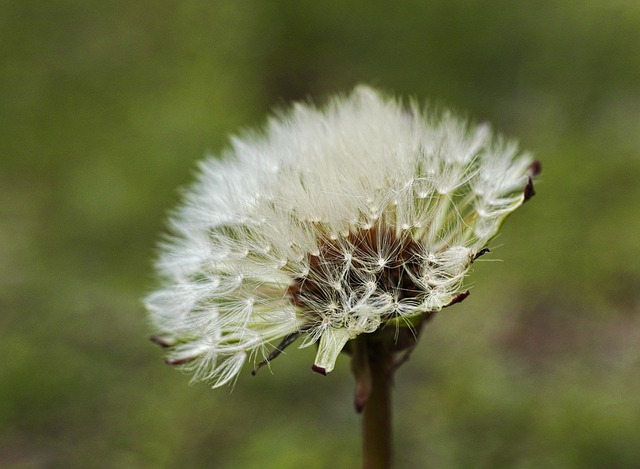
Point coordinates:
[(330, 224)]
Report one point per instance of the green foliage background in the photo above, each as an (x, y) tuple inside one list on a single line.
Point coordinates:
[(105, 106)]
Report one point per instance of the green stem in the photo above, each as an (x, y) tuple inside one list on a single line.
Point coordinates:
[(376, 419)]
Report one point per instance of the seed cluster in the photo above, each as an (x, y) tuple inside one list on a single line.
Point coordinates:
[(374, 262), (336, 224)]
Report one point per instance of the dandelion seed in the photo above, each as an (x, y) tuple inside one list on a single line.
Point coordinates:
[(334, 223)]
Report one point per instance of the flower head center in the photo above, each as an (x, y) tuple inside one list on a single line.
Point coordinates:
[(366, 273)]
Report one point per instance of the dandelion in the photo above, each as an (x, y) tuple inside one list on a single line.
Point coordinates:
[(361, 218), (347, 227)]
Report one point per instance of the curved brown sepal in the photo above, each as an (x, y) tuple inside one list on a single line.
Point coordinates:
[(458, 298), (529, 190)]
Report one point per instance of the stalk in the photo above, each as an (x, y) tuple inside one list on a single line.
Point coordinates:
[(373, 398)]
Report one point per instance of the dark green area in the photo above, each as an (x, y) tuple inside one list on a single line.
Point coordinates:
[(106, 106)]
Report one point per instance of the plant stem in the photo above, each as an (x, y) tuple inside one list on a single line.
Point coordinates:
[(376, 419)]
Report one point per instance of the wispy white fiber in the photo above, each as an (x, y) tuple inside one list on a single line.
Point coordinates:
[(305, 227)]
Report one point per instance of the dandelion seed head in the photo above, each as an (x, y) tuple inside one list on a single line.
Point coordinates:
[(332, 223)]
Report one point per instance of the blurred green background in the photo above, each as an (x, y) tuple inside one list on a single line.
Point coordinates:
[(106, 106)]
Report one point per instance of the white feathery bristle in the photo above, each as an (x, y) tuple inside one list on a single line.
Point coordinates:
[(330, 224)]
